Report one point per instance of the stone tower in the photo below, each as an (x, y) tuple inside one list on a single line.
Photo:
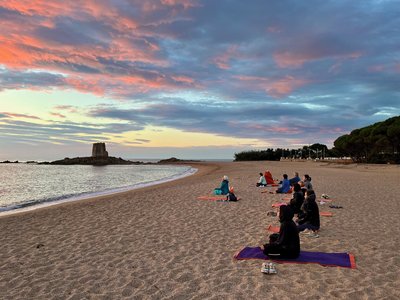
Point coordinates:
[(99, 150)]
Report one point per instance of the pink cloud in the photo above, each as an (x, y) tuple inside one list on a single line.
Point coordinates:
[(183, 79), (288, 59), (277, 88), (21, 48), (57, 115), (24, 116), (86, 85), (222, 60), (267, 128)]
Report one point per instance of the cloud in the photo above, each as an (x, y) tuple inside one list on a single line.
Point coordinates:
[(16, 115), (272, 70)]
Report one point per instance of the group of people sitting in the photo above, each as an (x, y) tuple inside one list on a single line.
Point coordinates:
[(286, 243), (286, 184)]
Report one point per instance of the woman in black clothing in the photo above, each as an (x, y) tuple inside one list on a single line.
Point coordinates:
[(286, 244), (297, 199), (309, 217)]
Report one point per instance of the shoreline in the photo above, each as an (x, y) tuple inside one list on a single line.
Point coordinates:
[(20, 208), (161, 242)]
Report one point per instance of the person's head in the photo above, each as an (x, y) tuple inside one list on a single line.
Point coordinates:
[(307, 177), (285, 176), (296, 187), (285, 213), (310, 193), (261, 174), (296, 174), (225, 177)]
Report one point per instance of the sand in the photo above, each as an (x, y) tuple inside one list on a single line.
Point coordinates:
[(161, 242)]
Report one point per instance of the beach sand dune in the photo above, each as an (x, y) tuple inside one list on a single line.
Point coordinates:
[(161, 242)]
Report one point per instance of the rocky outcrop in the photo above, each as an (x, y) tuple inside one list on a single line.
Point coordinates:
[(174, 160), (99, 158), (99, 150), (96, 161)]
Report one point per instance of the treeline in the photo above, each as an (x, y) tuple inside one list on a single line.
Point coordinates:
[(314, 151), (377, 143)]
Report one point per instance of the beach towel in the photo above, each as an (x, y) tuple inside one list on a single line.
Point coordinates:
[(345, 260), (213, 198), (274, 229), (326, 214)]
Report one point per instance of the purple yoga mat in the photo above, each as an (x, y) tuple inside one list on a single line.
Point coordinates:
[(344, 260)]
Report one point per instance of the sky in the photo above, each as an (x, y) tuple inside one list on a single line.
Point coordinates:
[(191, 78)]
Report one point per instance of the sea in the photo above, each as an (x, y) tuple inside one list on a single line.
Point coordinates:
[(26, 186)]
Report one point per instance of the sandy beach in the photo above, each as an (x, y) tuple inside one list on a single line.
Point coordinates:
[(161, 242)]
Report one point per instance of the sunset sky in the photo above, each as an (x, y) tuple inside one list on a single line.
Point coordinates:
[(192, 79)]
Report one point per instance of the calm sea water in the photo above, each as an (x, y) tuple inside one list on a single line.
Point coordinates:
[(23, 185)]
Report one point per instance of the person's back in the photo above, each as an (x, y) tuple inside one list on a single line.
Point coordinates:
[(295, 179), (297, 200), (307, 182), (285, 187), (262, 181), (224, 187), (287, 244), (289, 239), (310, 218)]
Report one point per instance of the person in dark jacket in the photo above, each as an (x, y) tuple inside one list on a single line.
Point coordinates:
[(309, 217), (297, 199), (286, 244)]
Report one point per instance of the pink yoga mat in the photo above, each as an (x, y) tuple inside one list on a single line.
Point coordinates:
[(212, 198), (274, 229), (326, 214)]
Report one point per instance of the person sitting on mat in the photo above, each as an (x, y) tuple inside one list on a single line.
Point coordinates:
[(309, 216), (297, 199), (262, 181), (295, 179), (224, 188), (268, 177), (306, 183), (286, 243), (285, 187)]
